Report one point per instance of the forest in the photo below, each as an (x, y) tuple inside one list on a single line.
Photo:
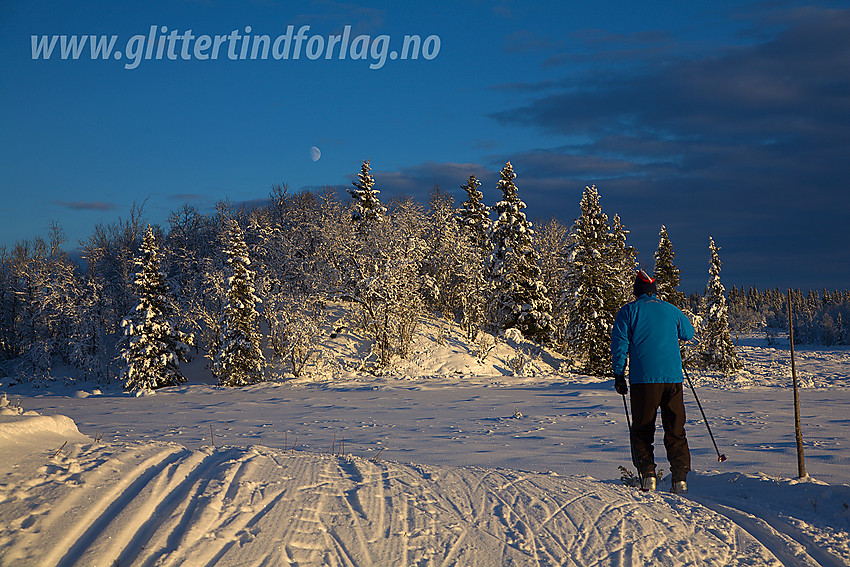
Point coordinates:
[(231, 284)]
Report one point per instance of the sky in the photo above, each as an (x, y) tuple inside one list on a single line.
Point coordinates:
[(723, 119)]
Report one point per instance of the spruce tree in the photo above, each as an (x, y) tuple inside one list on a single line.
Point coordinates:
[(239, 360), (520, 299), (667, 275), (716, 348), (367, 206), (474, 215), (622, 259), (473, 288), (152, 347), (593, 287)]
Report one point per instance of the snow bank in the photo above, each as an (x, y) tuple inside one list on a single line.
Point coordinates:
[(18, 427), (27, 428)]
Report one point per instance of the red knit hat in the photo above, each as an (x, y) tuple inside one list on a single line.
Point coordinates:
[(644, 285)]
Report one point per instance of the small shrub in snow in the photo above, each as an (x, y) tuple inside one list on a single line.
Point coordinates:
[(484, 343), (295, 325), (517, 364)]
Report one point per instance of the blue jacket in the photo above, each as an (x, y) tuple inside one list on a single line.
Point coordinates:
[(647, 333)]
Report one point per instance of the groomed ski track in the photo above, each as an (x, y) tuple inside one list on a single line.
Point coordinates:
[(161, 504)]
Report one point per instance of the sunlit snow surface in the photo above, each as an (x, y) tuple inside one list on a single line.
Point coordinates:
[(423, 467)]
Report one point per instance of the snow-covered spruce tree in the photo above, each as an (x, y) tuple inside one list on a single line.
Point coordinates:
[(367, 207), (152, 346), (716, 348), (454, 264), (623, 261), (239, 360), (667, 275), (474, 288), (593, 287), (519, 296), (474, 215)]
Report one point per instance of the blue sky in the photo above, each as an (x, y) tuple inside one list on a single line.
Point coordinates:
[(723, 119)]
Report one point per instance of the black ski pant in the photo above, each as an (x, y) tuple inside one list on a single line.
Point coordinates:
[(646, 400)]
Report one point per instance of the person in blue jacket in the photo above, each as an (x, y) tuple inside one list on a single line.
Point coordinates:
[(646, 334)]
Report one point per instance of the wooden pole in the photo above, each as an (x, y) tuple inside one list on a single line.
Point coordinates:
[(801, 463)]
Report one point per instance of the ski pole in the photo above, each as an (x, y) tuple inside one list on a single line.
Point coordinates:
[(720, 457), (631, 441)]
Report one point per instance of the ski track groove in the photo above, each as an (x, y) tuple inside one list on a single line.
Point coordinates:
[(454, 550), (85, 532), (352, 501), (178, 485), (203, 516), (184, 525), (306, 514), (562, 508), (563, 549), (243, 524), (520, 531), (778, 542)]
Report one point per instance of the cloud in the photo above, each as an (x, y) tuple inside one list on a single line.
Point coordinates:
[(748, 142), (86, 205), (417, 181), (188, 197), (766, 92)]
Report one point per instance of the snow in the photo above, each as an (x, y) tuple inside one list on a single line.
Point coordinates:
[(449, 460)]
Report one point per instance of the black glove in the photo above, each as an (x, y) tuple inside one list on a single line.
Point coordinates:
[(620, 384)]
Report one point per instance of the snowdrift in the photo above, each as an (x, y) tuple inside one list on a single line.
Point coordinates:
[(18, 428)]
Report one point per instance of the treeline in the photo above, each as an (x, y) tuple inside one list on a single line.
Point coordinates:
[(819, 317), (207, 283)]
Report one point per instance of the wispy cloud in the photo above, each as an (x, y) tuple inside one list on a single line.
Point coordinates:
[(417, 181), (188, 197), (86, 205)]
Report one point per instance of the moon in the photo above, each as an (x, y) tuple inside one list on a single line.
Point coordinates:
[(315, 153)]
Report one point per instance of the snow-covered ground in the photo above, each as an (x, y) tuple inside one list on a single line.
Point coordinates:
[(450, 460)]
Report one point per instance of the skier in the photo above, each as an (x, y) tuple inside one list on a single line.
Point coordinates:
[(646, 333)]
